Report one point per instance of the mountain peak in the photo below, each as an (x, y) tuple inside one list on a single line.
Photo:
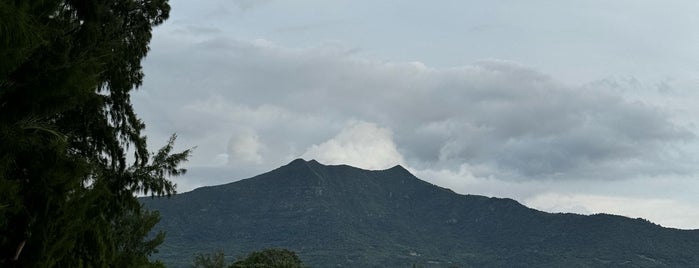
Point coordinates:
[(331, 213), (399, 168), (313, 162), (303, 162), (297, 161)]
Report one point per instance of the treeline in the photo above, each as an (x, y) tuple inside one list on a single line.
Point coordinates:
[(268, 258), (271, 258)]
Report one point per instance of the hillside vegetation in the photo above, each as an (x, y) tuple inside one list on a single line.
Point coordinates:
[(343, 216)]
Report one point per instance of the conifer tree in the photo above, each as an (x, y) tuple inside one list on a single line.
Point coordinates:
[(67, 187)]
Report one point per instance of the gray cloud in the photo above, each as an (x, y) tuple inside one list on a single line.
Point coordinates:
[(508, 119), (197, 30), (249, 4), (296, 29)]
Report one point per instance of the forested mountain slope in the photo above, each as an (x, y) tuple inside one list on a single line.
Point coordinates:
[(341, 216)]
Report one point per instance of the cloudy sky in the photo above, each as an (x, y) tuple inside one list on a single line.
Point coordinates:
[(582, 106)]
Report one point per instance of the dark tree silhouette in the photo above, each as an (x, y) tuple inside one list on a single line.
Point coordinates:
[(67, 126)]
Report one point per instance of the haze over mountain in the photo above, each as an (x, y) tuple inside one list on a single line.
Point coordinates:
[(341, 216)]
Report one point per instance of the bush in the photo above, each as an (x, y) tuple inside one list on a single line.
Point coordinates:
[(270, 258)]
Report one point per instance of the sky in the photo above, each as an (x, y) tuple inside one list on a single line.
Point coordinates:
[(582, 106)]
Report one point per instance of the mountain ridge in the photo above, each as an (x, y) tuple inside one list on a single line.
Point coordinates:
[(349, 217)]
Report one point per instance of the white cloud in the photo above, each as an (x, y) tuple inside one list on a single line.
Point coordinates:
[(666, 212), (245, 146), (360, 144)]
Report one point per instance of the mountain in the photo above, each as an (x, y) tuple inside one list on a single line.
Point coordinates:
[(341, 216)]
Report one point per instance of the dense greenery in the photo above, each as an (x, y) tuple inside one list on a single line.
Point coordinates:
[(209, 260), (268, 258), (67, 130), (344, 216)]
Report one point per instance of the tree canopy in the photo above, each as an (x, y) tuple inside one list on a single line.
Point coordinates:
[(266, 258), (209, 260), (72, 153), (270, 258)]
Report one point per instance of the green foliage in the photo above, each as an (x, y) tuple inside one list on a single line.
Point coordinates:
[(267, 258), (270, 258), (214, 260), (67, 193)]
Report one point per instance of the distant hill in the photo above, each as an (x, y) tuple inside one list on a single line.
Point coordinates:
[(341, 216)]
